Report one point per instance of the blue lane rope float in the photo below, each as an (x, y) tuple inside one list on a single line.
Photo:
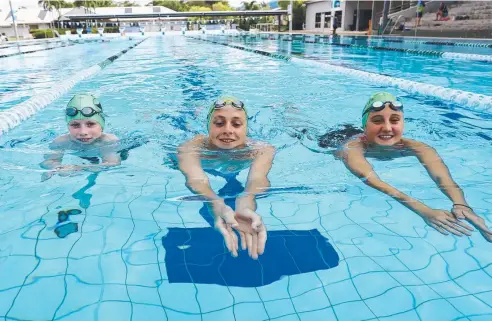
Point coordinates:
[(471, 100), (14, 116), (433, 53)]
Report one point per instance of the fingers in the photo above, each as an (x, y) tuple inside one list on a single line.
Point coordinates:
[(228, 234), (254, 247), (479, 224), (249, 243), (262, 237), (438, 228), (463, 224), (234, 242), (452, 228), (243, 240)]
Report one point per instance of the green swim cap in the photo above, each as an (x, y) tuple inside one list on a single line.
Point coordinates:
[(382, 96), (228, 100), (80, 101)]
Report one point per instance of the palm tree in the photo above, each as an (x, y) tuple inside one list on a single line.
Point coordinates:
[(47, 6)]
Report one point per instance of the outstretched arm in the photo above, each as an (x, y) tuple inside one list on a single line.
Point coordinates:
[(257, 178), (440, 174), (197, 182), (250, 225), (190, 165), (354, 159)]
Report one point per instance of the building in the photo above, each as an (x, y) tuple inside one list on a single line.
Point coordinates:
[(28, 19), (352, 15)]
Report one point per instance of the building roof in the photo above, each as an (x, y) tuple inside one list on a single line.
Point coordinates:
[(30, 16)]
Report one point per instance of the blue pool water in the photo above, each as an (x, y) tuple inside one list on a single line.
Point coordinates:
[(144, 249)]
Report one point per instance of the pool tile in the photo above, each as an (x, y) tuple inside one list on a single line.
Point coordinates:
[(120, 311), (179, 297), (312, 300), (391, 302), (353, 311), (471, 305), (16, 268), (318, 315), (406, 316), (341, 292), (427, 310), (79, 296), (250, 311), (148, 312), (244, 294), (302, 283), (374, 284), (144, 295), (213, 297), (222, 315), (275, 290), (277, 308), (52, 292)]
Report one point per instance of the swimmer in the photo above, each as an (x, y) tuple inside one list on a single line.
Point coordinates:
[(226, 151), (383, 124), (85, 138)]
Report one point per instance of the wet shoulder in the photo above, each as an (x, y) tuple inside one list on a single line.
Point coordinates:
[(109, 138), (61, 142)]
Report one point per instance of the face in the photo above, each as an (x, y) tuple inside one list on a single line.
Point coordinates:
[(384, 127), (84, 131), (228, 128)]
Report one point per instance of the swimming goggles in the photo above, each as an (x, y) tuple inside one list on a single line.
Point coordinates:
[(221, 103), (86, 111), (380, 105)]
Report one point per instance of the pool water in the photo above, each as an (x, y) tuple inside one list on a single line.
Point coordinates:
[(142, 248)]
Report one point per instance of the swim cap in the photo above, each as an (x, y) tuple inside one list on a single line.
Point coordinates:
[(80, 101), (228, 100), (382, 96)]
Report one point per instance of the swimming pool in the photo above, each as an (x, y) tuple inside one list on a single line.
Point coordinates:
[(144, 250)]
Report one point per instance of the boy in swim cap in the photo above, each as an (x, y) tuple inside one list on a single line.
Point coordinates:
[(85, 138), (383, 124), (227, 150)]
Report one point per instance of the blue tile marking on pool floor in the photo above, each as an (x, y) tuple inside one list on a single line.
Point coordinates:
[(198, 255)]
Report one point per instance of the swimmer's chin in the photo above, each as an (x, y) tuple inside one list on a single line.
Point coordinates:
[(84, 141)]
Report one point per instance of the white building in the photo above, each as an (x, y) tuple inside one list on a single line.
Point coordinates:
[(352, 15), (37, 18), (27, 19)]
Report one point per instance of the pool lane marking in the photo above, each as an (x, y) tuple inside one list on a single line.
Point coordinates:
[(419, 52), (31, 51), (14, 116), (471, 100)]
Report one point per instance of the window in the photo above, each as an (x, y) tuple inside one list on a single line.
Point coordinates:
[(327, 19), (317, 21)]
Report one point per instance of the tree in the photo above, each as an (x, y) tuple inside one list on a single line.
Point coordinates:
[(252, 5), (219, 6), (179, 6), (129, 4), (298, 12), (93, 3)]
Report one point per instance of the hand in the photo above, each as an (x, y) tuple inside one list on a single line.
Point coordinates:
[(252, 231), (463, 212), (444, 222), (224, 221), (63, 171)]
